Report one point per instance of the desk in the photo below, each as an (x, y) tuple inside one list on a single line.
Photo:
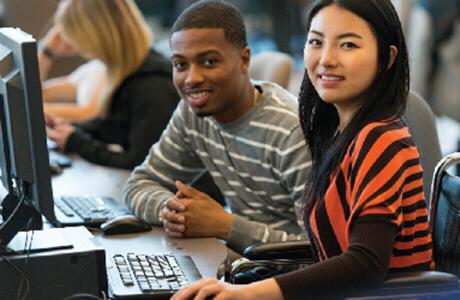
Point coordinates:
[(86, 178)]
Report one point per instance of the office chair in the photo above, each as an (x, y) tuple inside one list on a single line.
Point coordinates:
[(445, 215), (272, 66), (266, 260), (422, 125)]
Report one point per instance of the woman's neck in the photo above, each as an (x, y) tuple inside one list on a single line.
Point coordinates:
[(346, 113)]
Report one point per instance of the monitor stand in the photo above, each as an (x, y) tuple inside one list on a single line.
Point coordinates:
[(42, 240), (17, 215)]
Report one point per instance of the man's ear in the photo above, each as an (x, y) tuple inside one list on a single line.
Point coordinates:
[(393, 54), (245, 59)]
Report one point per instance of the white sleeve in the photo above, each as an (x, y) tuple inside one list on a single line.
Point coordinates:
[(87, 78)]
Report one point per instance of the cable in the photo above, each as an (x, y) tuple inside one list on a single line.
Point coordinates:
[(27, 250), (85, 296), (21, 201), (26, 293)]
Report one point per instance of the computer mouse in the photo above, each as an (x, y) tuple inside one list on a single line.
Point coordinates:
[(124, 224), (55, 169)]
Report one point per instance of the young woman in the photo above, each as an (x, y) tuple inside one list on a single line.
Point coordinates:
[(138, 97), (75, 96), (365, 211)]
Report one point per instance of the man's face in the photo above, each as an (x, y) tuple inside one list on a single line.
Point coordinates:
[(210, 73)]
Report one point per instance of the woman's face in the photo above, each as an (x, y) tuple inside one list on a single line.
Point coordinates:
[(341, 56)]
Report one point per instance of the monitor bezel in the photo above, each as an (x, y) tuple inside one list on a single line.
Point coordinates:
[(36, 173)]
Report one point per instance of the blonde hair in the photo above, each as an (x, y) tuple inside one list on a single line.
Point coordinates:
[(113, 31)]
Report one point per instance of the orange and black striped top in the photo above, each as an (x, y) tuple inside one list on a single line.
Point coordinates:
[(380, 179), (372, 220)]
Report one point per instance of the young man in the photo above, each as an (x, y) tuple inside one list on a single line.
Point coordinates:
[(246, 134)]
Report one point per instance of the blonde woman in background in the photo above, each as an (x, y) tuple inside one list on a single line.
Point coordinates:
[(76, 96), (138, 97)]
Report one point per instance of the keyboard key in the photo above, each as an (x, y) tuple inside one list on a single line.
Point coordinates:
[(123, 268), (129, 282), (119, 260), (145, 286)]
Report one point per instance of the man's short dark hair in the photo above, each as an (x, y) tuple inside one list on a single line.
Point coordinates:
[(214, 14)]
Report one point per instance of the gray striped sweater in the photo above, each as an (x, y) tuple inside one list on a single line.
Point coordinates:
[(260, 162)]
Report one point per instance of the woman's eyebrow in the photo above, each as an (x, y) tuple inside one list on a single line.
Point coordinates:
[(340, 36)]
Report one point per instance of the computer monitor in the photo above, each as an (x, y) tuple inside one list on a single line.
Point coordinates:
[(25, 173)]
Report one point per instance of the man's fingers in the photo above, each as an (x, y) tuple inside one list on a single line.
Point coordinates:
[(173, 217), (175, 205), (179, 194), (174, 226), (173, 229), (186, 190), (174, 234)]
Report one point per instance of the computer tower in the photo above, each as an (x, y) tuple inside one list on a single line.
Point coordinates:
[(76, 266)]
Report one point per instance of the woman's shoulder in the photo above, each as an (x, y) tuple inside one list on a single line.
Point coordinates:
[(152, 77), (154, 68), (155, 64), (389, 129), (381, 135)]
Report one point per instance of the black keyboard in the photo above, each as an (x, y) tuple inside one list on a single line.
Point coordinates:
[(87, 210), (149, 276)]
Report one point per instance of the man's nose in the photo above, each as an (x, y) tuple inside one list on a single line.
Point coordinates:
[(194, 75)]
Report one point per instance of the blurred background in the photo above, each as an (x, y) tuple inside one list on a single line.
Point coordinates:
[(432, 29)]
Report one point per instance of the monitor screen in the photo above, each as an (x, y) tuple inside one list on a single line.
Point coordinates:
[(25, 173)]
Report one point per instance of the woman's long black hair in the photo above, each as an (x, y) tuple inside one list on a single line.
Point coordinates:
[(385, 98)]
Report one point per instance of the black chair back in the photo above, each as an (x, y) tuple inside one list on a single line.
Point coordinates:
[(445, 216)]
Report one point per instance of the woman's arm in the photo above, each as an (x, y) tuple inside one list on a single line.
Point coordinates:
[(73, 113), (45, 61), (77, 96), (59, 89), (364, 265), (51, 47), (60, 96)]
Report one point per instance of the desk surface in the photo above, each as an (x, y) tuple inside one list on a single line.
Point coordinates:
[(86, 178)]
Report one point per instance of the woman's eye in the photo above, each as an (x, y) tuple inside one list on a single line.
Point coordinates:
[(349, 45), (314, 42)]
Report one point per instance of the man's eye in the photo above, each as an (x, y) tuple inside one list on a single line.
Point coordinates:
[(209, 62), (179, 65)]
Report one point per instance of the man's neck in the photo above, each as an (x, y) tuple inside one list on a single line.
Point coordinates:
[(245, 104)]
